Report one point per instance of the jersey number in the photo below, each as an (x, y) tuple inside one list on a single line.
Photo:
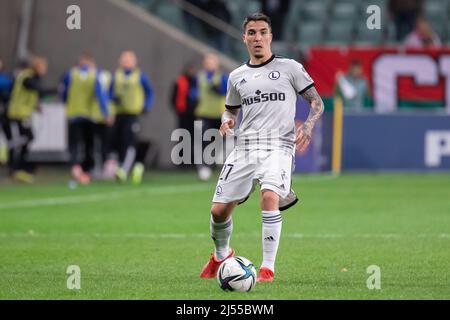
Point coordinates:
[(226, 169)]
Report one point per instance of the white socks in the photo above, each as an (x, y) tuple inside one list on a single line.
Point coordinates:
[(271, 230), (221, 234), (270, 237)]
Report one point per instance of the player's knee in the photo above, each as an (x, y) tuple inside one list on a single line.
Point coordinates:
[(221, 211), (269, 200)]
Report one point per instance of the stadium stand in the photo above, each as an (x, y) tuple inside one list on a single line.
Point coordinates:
[(333, 26), (328, 22)]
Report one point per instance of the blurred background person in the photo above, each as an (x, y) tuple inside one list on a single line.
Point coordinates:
[(212, 86), (353, 87), (132, 95), (6, 83), (25, 96), (102, 124), (422, 36), (184, 100), (82, 91), (404, 14)]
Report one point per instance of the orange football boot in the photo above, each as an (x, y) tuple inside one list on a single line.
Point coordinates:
[(265, 275), (210, 269)]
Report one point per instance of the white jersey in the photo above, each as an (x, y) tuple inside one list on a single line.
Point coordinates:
[(267, 94)]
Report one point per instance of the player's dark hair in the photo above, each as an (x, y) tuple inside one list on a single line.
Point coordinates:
[(355, 63), (257, 17), (87, 56)]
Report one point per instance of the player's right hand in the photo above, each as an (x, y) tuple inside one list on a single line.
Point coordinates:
[(226, 128)]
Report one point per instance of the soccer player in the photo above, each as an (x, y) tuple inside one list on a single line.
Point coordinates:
[(184, 98), (6, 83), (101, 124), (81, 91), (212, 88), (25, 96), (132, 95), (266, 89)]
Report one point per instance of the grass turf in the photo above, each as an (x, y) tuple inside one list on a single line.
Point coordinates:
[(150, 241)]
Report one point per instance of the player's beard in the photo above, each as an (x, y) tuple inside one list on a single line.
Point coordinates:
[(258, 55)]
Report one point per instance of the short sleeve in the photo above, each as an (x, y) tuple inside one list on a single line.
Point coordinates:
[(233, 99), (302, 81)]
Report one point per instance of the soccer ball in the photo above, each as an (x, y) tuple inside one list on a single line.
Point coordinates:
[(237, 274)]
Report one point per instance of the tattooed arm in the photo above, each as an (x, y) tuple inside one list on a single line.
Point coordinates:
[(229, 121), (304, 132)]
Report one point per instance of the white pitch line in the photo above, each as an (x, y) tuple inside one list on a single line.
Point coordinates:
[(104, 196), (32, 233), (120, 194)]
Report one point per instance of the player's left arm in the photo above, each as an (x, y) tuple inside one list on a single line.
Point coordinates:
[(304, 132)]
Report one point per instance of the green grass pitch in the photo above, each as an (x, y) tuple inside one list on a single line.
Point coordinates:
[(150, 241)]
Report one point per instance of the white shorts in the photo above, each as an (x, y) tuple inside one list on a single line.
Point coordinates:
[(242, 170)]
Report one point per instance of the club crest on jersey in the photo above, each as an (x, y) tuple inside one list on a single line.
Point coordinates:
[(274, 75)]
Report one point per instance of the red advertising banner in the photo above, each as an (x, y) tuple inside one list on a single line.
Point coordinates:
[(396, 77)]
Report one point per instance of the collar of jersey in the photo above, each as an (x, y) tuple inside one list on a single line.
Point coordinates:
[(261, 64)]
